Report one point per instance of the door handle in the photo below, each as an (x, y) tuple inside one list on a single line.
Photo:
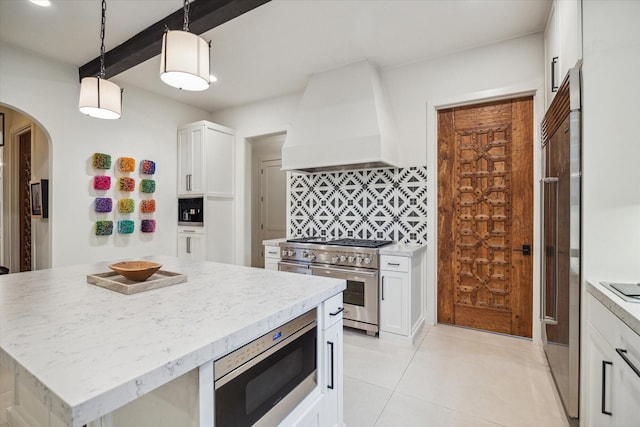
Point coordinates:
[(526, 250), (604, 388)]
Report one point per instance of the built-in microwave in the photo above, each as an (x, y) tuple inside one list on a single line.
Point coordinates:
[(262, 382), (191, 211)]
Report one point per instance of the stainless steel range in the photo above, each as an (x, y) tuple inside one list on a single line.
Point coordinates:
[(353, 260)]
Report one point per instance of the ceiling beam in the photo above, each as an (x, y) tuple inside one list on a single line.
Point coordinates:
[(203, 16)]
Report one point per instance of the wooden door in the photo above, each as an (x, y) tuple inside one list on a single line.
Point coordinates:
[(24, 193), (485, 216), (273, 200)]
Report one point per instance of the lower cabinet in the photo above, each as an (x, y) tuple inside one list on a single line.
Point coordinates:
[(271, 257), (613, 358), (401, 296), (191, 245), (332, 380)]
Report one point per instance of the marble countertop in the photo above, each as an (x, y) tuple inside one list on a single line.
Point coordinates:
[(274, 242), (85, 350), (403, 249), (628, 312)]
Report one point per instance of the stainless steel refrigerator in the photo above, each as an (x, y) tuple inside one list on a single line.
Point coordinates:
[(561, 194)]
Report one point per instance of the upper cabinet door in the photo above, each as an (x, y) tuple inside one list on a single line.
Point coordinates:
[(220, 149), (191, 161)]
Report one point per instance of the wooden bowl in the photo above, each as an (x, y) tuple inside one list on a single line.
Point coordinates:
[(138, 271)]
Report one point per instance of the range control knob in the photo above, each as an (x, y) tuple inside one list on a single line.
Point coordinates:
[(291, 252), (334, 259), (304, 254), (351, 259), (343, 258), (359, 260), (312, 257), (284, 252), (367, 260)]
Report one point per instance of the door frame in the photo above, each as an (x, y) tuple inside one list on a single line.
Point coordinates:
[(536, 90)]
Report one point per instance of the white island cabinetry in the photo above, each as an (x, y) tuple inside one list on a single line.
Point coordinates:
[(206, 159), (613, 359), (154, 361)]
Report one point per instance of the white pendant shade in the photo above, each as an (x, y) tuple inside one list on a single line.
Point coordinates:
[(184, 62), (100, 98)]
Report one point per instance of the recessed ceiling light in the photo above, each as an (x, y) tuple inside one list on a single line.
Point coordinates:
[(43, 3)]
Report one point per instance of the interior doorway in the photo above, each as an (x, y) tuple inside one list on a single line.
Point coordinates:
[(268, 194), (485, 216)]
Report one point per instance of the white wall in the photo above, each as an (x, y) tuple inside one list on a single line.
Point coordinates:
[(611, 148), (250, 121), (415, 91), (48, 92)]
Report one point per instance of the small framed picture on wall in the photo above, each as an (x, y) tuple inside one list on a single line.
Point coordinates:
[(40, 198)]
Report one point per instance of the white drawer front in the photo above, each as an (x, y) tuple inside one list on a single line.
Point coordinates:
[(394, 263), (332, 311), (272, 252)]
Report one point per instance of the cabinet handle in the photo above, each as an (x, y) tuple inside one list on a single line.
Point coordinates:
[(338, 311), (189, 244), (188, 182), (604, 388), (272, 253), (623, 354), (330, 386), (554, 85), (382, 288), (395, 264)]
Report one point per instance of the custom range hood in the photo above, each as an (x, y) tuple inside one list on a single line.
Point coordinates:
[(343, 123)]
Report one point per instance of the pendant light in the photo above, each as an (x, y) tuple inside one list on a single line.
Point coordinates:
[(185, 59), (99, 97)]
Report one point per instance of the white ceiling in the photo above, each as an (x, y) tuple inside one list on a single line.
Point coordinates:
[(273, 49)]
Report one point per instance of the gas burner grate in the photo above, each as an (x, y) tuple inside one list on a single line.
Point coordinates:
[(360, 243)]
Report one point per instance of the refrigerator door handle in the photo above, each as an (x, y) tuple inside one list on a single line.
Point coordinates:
[(546, 319)]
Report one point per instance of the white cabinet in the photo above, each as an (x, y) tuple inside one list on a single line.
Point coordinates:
[(271, 257), (332, 356), (613, 358), (206, 159), (562, 43), (191, 243), (401, 296), (394, 288), (191, 160)]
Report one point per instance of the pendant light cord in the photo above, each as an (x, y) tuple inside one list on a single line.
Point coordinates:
[(104, 10), (185, 24)]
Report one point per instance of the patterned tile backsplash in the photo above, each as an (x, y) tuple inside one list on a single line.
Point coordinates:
[(387, 204)]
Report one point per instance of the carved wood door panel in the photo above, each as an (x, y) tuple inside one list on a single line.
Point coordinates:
[(485, 216)]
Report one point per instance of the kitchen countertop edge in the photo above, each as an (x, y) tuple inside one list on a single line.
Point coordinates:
[(627, 312), (403, 249)]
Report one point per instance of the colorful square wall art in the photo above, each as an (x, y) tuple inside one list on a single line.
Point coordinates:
[(101, 161), (148, 206), (148, 167), (126, 206), (126, 184), (148, 226), (103, 204), (126, 164), (104, 228), (101, 182), (125, 226), (148, 186)]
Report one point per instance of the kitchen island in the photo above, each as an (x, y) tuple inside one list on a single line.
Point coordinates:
[(85, 351)]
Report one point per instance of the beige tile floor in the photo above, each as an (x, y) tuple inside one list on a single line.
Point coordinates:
[(451, 377)]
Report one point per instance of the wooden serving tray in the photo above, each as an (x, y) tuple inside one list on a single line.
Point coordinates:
[(116, 282)]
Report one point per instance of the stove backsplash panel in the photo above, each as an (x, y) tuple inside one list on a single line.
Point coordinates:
[(387, 204)]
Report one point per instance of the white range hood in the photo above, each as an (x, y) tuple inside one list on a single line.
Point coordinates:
[(343, 122)]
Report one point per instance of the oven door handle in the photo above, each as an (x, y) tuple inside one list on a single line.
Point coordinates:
[(329, 270)]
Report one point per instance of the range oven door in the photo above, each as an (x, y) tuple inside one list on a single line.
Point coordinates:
[(265, 389), (360, 298)]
